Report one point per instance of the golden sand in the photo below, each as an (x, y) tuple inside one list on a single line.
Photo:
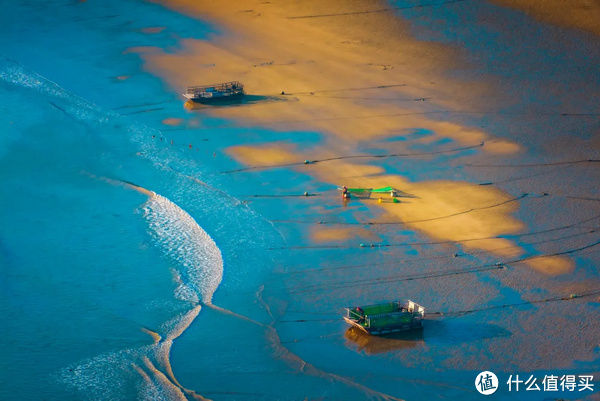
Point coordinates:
[(155, 336), (353, 78), (580, 14), (266, 156), (552, 265), (319, 64), (444, 210), (323, 235)]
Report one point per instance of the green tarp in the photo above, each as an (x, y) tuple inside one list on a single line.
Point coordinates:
[(380, 308), (372, 190)]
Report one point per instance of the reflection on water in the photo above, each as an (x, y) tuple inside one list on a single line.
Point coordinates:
[(363, 342)]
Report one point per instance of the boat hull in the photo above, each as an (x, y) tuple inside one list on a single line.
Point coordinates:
[(216, 99), (414, 325)]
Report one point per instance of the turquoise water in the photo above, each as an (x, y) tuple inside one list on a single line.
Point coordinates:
[(88, 261), (89, 257)]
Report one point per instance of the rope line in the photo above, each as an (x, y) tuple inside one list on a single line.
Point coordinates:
[(437, 257), (558, 298), (370, 223), (380, 156), (569, 297), (561, 163), (423, 243), (378, 10), (475, 269)]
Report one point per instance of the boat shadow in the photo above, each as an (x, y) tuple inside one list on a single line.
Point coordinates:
[(238, 102), (439, 332), (370, 345)]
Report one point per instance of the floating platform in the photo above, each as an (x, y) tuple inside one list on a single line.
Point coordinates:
[(216, 93), (386, 318)]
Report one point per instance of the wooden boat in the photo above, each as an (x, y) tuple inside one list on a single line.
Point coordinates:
[(223, 92), (390, 317)]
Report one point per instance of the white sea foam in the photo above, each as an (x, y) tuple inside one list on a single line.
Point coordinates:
[(199, 260), (104, 377), (198, 274)]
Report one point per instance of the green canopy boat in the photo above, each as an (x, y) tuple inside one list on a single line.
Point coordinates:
[(367, 192), (390, 317)]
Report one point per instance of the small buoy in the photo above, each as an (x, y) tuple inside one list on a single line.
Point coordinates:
[(394, 200), (282, 92), (379, 200), (572, 296), (305, 193), (362, 245), (456, 255), (171, 141), (190, 145), (306, 161)]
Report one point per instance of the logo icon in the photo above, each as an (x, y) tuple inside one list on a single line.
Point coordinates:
[(486, 383)]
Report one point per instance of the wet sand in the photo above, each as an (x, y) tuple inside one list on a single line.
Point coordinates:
[(581, 14), (364, 83)]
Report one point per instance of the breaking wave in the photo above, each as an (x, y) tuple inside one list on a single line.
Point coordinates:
[(200, 264), (198, 274)]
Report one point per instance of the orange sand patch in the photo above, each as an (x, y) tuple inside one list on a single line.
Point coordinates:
[(262, 156), (320, 64), (172, 121), (152, 30), (552, 265), (444, 210), (581, 14), (322, 235), (502, 147), (155, 336), (122, 77), (499, 246)]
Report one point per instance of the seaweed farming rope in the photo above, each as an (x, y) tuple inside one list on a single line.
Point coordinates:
[(569, 297), (438, 257), (421, 243), (548, 164), (378, 10), (343, 89), (363, 156), (558, 298), (419, 113), (475, 269), (370, 223)]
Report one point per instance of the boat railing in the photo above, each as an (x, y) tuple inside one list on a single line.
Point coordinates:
[(353, 314), (233, 87)]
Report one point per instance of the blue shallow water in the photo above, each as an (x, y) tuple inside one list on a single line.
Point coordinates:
[(86, 264)]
